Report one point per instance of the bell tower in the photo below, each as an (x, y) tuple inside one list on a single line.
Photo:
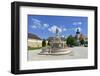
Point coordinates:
[(77, 33)]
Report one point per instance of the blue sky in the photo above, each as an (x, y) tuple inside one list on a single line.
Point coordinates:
[(44, 25)]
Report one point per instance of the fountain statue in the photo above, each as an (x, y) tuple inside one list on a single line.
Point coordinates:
[(57, 46)]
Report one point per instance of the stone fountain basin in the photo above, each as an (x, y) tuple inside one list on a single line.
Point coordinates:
[(57, 52)]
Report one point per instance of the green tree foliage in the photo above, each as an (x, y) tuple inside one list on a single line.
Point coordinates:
[(71, 41), (86, 43), (43, 43), (82, 41), (48, 42)]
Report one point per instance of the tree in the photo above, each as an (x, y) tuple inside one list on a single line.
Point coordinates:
[(71, 41), (82, 41), (81, 37), (43, 43), (48, 42), (86, 43)]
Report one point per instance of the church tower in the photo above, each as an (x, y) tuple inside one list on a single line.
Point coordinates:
[(77, 33)]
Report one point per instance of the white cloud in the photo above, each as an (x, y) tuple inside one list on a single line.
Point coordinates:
[(36, 20), (34, 26), (67, 29), (45, 25), (77, 23), (53, 29), (80, 23), (64, 29), (71, 29), (63, 36), (36, 23)]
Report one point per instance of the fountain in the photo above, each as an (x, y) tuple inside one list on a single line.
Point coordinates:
[(57, 46)]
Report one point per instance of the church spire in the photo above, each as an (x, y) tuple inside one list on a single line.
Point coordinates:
[(77, 31)]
